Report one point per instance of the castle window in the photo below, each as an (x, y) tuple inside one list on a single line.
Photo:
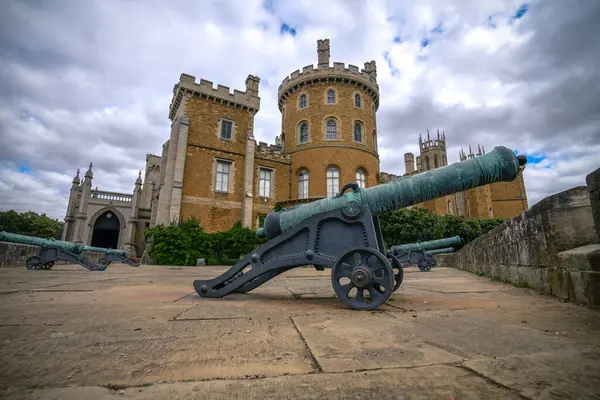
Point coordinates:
[(303, 184), (435, 161), (304, 132), (361, 178), (426, 163), (331, 129), (226, 129), (357, 132), (333, 181), (330, 96), (374, 139), (222, 178), (357, 100), (302, 101), (264, 184)]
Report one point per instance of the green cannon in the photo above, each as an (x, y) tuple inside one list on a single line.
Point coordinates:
[(51, 250), (444, 250), (343, 233), (429, 245)]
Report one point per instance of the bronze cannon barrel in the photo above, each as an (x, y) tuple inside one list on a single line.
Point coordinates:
[(444, 250), (428, 245), (68, 246), (501, 164)]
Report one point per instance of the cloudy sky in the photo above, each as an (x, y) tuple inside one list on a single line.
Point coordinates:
[(92, 80)]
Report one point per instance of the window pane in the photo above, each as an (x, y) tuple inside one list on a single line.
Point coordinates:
[(331, 129)]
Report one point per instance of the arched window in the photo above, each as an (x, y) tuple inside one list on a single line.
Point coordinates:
[(303, 184), (435, 161), (357, 100), (302, 101), (426, 163), (331, 129), (361, 178), (330, 96), (333, 181), (357, 132), (303, 132)]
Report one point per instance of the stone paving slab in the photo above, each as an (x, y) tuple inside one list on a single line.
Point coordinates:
[(143, 333)]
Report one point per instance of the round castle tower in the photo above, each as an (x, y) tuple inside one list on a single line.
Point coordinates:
[(329, 126)]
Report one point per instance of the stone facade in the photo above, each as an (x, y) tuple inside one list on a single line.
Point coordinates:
[(552, 248), (212, 168), (498, 200), (113, 220)]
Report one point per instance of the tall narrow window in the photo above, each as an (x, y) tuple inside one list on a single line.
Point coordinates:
[(357, 100), (333, 181), (357, 132), (226, 129), (222, 178), (435, 161), (361, 178), (302, 101), (374, 139), (304, 132), (331, 129), (303, 184), (330, 96), (264, 187)]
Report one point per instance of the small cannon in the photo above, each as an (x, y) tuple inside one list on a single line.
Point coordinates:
[(421, 253), (343, 232), (51, 250)]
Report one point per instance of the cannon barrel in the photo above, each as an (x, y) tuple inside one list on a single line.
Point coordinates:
[(501, 164), (428, 245), (68, 246), (444, 250)]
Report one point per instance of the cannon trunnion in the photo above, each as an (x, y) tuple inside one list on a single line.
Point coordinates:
[(343, 233)]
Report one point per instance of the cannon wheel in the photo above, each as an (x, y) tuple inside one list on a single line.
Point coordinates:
[(34, 262), (398, 270), (424, 266), (366, 270), (48, 265)]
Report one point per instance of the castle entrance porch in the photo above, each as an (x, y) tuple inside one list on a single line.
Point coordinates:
[(106, 231)]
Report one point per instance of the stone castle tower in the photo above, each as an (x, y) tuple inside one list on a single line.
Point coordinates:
[(329, 126)]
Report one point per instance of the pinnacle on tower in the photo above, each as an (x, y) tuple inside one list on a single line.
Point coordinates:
[(323, 53), (428, 138), (138, 181), (76, 177), (89, 173)]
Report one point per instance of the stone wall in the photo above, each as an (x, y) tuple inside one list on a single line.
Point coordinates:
[(552, 247), (14, 255)]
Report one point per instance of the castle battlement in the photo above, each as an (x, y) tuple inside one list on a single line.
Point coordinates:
[(367, 77), (187, 84), (433, 144), (272, 152)]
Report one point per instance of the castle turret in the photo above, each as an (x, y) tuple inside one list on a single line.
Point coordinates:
[(433, 151), (409, 163)]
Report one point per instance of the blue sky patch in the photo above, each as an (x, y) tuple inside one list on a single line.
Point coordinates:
[(24, 167), (439, 28), (424, 42), (521, 11), (285, 28), (388, 60), (490, 22), (397, 39)]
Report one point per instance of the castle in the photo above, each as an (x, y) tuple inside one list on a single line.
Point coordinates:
[(212, 168)]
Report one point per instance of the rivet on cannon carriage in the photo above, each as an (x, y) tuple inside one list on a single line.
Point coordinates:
[(51, 250), (343, 232)]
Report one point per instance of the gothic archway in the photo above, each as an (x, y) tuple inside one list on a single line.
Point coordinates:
[(106, 230)]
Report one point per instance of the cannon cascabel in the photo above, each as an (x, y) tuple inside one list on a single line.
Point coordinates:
[(501, 164)]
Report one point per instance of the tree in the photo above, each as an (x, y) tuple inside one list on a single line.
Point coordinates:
[(31, 224)]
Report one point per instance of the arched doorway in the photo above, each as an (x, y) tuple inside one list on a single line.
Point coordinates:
[(106, 231)]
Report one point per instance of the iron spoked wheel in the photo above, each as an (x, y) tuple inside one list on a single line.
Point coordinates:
[(104, 262), (365, 270), (424, 266), (48, 265), (398, 270), (34, 262)]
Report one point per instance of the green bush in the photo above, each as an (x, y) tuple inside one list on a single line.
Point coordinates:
[(184, 242), (31, 224), (420, 224)]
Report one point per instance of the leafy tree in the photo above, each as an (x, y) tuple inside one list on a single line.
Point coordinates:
[(31, 224)]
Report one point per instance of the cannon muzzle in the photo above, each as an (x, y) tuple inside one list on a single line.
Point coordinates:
[(501, 164)]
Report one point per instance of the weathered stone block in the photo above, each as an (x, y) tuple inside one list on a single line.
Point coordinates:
[(584, 258), (593, 186), (514, 275), (586, 285), (560, 283)]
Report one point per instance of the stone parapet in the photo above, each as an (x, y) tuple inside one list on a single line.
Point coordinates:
[(272, 152), (339, 72), (187, 84), (551, 248)]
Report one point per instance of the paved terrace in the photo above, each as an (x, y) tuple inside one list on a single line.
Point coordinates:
[(144, 333)]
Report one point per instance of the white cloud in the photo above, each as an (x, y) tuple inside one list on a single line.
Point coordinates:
[(92, 81)]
